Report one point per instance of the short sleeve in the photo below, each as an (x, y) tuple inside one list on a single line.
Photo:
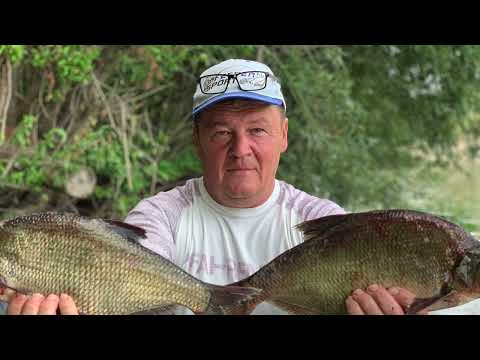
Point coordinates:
[(308, 207), (159, 216), (159, 235), (318, 208)]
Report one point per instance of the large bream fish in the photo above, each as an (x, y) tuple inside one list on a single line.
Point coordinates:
[(435, 259), (102, 266)]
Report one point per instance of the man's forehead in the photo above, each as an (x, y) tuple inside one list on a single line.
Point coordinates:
[(225, 121), (226, 118), (238, 105), (253, 112)]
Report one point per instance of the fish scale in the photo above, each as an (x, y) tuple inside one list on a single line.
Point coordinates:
[(102, 265), (344, 252)]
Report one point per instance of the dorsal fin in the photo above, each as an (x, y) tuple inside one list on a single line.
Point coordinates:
[(321, 226), (130, 232)]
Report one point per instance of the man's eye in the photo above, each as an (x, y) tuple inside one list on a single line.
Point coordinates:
[(257, 131), (221, 134)]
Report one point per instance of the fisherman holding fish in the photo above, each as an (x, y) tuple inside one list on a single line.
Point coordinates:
[(223, 227)]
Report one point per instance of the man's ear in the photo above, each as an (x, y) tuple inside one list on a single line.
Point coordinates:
[(285, 135)]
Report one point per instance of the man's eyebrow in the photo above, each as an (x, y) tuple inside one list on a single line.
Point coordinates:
[(220, 123)]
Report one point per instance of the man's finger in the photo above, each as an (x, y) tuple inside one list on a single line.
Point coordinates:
[(49, 305), (353, 308), (366, 302), (67, 305), (16, 304), (385, 300), (404, 297), (32, 305)]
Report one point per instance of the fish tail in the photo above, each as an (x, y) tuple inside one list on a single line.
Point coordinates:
[(231, 300)]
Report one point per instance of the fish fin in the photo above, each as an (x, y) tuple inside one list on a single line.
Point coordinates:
[(293, 309), (419, 304), (319, 227), (160, 310), (230, 300), (454, 299), (130, 232)]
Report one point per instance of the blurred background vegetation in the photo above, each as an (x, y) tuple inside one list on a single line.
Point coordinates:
[(94, 129)]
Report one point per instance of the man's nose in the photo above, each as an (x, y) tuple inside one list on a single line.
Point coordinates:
[(240, 146)]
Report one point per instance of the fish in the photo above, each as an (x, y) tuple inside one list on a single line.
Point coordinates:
[(102, 265), (432, 257)]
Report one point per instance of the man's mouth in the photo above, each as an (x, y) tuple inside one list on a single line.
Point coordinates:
[(240, 170)]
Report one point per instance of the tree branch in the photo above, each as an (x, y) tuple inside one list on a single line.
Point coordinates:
[(5, 95)]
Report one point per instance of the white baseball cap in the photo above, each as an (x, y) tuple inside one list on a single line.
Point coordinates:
[(270, 92)]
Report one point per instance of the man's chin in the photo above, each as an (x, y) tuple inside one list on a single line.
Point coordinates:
[(240, 192), (239, 195)]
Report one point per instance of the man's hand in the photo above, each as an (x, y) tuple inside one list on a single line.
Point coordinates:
[(376, 300), (38, 304)]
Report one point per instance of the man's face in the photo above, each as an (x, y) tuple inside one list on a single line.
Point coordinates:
[(240, 150)]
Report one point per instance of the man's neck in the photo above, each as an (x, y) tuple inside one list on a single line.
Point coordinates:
[(253, 201)]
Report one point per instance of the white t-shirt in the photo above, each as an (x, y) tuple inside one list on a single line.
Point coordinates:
[(221, 245)]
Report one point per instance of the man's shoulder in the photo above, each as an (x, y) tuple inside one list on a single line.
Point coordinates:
[(292, 194), (308, 205), (176, 197)]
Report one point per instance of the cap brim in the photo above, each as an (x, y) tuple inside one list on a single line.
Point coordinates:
[(237, 95)]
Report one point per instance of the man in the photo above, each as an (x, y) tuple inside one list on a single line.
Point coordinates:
[(225, 225)]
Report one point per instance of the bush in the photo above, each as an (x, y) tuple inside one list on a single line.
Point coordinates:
[(362, 118)]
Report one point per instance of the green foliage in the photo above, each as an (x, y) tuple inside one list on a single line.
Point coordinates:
[(14, 52), (24, 131), (69, 65), (73, 63), (362, 119), (56, 157), (448, 192), (362, 114), (435, 84)]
